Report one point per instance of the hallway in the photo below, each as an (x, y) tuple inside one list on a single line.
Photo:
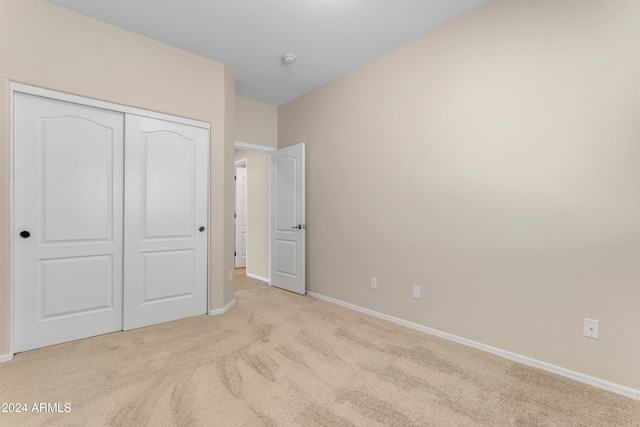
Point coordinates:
[(246, 283)]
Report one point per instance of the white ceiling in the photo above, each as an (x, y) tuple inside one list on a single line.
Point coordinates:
[(328, 37)]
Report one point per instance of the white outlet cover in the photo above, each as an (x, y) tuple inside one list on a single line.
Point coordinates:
[(591, 329), (374, 283), (416, 292)]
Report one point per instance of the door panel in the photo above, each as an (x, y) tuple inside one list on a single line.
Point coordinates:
[(166, 198), (287, 228), (79, 178), (88, 279), (168, 275), (68, 163), (285, 194), (286, 259), (168, 171)]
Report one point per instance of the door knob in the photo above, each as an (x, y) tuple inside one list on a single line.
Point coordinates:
[(299, 227), (25, 234), (201, 228)]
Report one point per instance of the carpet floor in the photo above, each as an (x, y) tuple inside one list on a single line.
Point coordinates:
[(281, 359)]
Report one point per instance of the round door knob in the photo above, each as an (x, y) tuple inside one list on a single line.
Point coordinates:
[(25, 234), (201, 228)]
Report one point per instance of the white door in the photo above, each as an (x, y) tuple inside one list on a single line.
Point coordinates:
[(241, 217), (67, 221), (287, 227), (165, 243)]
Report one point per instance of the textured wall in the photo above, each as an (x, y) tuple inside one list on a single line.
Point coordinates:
[(493, 162), (256, 123)]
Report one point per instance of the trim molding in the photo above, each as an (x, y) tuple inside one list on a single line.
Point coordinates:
[(222, 310), (253, 147), (105, 105), (12, 236), (255, 276), (6, 357), (605, 385)]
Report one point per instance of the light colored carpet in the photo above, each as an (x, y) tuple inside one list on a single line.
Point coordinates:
[(281, 359)]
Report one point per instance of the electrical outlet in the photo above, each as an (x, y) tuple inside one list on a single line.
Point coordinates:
[(416, 292), (591, 329), (374, 283)]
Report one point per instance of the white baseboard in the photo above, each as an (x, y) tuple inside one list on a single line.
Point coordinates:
[(605, 385), (222, 310), (6, 357), (255, 276)]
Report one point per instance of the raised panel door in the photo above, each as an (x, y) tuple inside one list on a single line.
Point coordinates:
[(166, 212), (68, 170)]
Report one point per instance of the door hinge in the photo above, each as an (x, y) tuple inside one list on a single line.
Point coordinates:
[(235, 215), (235, 177), (235, 253)]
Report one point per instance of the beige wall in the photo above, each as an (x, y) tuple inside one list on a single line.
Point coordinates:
[(258, 211), (256, 123), (493, 162), (45, 45)]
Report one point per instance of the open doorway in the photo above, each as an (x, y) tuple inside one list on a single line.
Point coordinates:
[(252, 237), (279, 246)]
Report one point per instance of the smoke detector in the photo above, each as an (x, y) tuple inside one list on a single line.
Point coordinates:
[(288, 58)]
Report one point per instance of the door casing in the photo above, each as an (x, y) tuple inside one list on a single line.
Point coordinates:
[(242, 164)]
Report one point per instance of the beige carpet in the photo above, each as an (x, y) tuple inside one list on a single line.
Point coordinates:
[(277, 358)]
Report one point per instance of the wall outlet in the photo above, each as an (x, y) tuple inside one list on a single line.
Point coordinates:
[(374, 283), (416, 292), (591, 329), (231, 275)]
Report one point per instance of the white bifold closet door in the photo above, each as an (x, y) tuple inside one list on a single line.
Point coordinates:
[(110, 220)]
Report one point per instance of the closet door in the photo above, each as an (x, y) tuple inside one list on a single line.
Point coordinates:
[(67, 221), (166, 227)]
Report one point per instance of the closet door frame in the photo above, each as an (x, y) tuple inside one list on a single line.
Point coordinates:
[(61, 96)]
